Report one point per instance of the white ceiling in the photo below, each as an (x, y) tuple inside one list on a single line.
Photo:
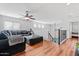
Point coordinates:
[(44, 12)]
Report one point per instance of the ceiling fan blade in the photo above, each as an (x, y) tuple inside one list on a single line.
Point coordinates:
[(27, 15), (32, 18)]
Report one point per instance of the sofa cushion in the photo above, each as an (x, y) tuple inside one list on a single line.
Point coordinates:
[(6, 32), (14, 32), (2, 36)]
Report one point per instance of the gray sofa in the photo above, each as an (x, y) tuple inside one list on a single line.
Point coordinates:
[(6, 49)]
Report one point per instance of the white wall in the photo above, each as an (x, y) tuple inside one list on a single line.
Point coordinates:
[(75, 27), (23, 24), (40, 31), (1, 23), (26, 25), (65, 26)]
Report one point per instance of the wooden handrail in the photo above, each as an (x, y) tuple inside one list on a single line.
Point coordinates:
[(50, 35)]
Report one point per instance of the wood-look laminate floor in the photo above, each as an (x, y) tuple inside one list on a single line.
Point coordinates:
[(48, 48)]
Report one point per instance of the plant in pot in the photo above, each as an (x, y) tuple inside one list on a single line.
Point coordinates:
[(77, 48), (77, 45)]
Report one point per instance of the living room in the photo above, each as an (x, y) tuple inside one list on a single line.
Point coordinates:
[(28, 30)]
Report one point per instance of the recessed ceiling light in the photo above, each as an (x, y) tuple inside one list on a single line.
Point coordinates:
[(68, 4)]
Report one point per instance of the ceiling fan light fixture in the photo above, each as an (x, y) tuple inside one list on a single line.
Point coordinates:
[(26, 18)]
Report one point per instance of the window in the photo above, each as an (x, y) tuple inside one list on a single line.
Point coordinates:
[(11, 25), (7, 25), (16, 26), (35, 25), (42, 26), (38, 26)]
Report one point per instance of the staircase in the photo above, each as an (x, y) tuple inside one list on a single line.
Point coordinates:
[(52, 39)]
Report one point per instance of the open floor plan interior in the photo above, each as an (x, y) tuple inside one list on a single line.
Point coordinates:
[(39, 29)]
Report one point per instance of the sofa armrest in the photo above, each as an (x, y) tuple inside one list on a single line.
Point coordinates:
[(4, 44)]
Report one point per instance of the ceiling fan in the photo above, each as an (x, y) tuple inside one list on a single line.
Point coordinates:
[(27, 16)]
